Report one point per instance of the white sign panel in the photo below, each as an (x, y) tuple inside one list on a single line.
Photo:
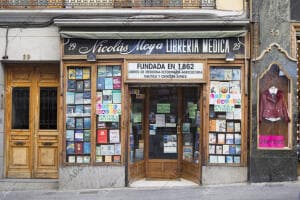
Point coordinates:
[(165, 71)]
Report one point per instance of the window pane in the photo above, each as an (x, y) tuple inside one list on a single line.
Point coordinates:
[(20, 108), (48, 108)]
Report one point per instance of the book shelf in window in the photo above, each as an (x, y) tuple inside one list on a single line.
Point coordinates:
[(78, 115), (225, 116), (108, 110)]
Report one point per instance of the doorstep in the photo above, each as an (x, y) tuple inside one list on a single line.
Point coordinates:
[(28, 184), (143, 183)]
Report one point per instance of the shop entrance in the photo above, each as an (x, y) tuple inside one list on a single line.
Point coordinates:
[(32, 130), (164, 134)]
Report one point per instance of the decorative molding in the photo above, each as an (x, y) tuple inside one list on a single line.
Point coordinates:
[(268, 49)]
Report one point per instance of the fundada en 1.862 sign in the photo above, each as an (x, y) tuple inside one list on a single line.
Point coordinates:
[(165, 71)]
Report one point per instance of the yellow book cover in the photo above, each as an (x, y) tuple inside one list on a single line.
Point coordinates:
[(86, 73)]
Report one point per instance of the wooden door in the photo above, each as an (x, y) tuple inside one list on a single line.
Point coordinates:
[(32, 128)]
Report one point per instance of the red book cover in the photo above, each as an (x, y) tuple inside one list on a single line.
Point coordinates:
[(78, 147), (102, 136), (117, 82)]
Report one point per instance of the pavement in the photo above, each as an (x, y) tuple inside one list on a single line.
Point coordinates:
[(243, 191)]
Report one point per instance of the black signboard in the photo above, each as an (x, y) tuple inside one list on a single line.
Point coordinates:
[(75, 46)]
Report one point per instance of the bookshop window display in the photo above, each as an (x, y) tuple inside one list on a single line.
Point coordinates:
[(225, 115), (80, 136), (274, 119)]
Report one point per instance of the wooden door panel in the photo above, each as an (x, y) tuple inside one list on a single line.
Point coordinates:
[(20, 74), (165, 169), (49, 74)]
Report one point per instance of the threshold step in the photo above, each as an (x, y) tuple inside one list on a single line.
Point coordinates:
[(28, 184)]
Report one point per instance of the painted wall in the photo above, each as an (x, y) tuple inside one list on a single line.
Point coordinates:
[(31, 43), (234, 5)]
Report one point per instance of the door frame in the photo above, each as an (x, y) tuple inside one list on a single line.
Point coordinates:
[(35, 81)]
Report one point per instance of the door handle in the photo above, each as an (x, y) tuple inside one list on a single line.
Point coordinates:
[(19, 143), (47, 143)]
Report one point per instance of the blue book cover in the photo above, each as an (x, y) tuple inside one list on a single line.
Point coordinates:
[(232, 149), (108, 83), (101, 83), (70, 148), (101, 71), (79, 135), (116, 70), (70, 135), (78, 73), (109, 71), (86, 147), (87, 123)]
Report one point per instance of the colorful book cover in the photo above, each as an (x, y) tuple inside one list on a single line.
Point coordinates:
[(109, 71), (70, 123), (87, 85), (235, 87), (87, 110), (99, 158), (229, 139), (219, 149), (117, 159), (187, 153), (87, 97), (72, 74), (118, 149), (212, 149), (216, 73), (99, 98), (70, 98), (237, 138), (107, 150), (229, 115), (214, 87), (212, 138), (227, 74), (224, 87), (87, 123), (117, 82), (232, 149), (108, 83), (98, 150), (116, 71), (221, 138), (237, 127), (78, 98), (238, 149), (116, 96), (78, 135), (79, 110), (236, 74), (79, 86), (79, 159), (236, 159), (78, 73), (102, 136), (221, 125), (78, 147), (87, 135), (70, 148), (70, 135), (114, 136), (107, 96), (86, 159), (237, 113), (213, 159), (86, 73), (107, 159), (221, 159), (86, 147), (230, 127), (71, 111), (229, 159), (71, 159), (212, 125), (225, 149), (100, 83), (71, 85), (101, 71), (79, 123)]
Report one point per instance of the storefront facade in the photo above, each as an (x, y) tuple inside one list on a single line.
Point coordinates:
[(159, 108)]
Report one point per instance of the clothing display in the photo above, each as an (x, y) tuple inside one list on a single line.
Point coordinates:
[(272, 106)]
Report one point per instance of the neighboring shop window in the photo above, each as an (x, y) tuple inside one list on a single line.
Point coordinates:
[(78, 115), (225, 115), (108, 110), (273, 109)]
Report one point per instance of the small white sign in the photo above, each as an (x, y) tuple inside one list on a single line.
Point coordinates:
[(167, 71)]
